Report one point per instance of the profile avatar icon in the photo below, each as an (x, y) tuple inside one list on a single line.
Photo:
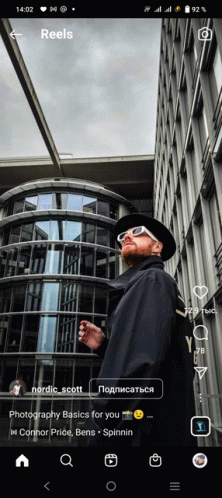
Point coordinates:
[(18, 388), (200, 460)]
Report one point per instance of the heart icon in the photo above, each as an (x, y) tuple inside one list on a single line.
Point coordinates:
[(200, 291), (43, 9)]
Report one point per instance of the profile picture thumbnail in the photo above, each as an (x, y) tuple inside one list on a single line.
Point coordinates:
[(18, 388)]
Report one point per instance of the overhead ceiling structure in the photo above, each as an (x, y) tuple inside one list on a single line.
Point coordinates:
[(129, 176)]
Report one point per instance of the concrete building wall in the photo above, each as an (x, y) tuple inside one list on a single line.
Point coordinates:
[(188, 188)]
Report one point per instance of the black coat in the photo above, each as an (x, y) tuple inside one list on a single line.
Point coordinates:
[(150, 337)]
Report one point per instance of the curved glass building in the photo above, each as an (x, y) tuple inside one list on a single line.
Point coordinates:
[(57, 256)]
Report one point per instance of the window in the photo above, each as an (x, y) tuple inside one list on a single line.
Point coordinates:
[(89, 204), (27, 231), (71, 259), (54, 259), (102, 236), (30, 334), (42, 230), (18, 298), (47, 333), (34, 296), (103, 208), (87, 261), (45, 201), (14, 235), (69, 297), (18, 206), (85, 298), (74, 202), (24, 260), (50, 296), (39, 258), (88, 233), (73, 230), (31, 203)]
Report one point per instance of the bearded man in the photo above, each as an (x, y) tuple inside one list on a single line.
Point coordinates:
[(150, 346)]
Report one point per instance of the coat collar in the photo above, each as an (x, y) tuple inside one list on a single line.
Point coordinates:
[(123, 279)]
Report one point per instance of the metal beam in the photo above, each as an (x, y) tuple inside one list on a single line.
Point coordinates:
[(25, 80)]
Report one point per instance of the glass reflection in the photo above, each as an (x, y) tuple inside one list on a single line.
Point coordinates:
[(85, 298), (11, 263), (30, 335), (47, 332), (41, 230), (39, 258), (74, 202), (14, 235), (45, 201), (66, 333), (69, 297), (50, 296), (88, 233), (101, 264), (103, 208), (18, 298), (55, 231), (24, 260), (4, 325), (27, 231), (34, 295), (18, 206), (31, 203), (71, 260), (14, 333), (89, 204), (102, 236), (54, 259), (73, 230), (100, 300), (5, 299), (87, 261)]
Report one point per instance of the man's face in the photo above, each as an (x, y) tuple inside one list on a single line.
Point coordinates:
[(136, 249)]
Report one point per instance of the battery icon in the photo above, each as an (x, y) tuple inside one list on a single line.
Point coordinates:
[(187, 9)]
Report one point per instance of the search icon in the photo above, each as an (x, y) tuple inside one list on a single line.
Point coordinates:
[(69, 460)]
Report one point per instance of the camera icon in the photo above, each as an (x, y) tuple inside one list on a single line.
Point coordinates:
[(205, 34)]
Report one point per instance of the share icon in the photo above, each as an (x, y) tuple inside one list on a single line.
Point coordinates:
[(201, 371)]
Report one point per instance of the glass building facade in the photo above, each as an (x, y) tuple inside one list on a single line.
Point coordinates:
[(187, 190), (57, 256)]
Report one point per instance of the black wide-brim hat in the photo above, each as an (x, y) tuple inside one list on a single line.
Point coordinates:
[(156, 227)]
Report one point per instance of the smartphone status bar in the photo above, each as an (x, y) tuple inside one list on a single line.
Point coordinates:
[(131, 10)]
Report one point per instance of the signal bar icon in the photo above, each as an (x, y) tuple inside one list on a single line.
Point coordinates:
[(168, 10), (159, 9)]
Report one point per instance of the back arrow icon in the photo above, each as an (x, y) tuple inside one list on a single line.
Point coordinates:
[(46, 486), (13, 34)]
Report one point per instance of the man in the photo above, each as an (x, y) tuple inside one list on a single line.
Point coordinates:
[(17, 389), (150, 338)]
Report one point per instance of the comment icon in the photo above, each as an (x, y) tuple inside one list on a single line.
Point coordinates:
[(200, 333)]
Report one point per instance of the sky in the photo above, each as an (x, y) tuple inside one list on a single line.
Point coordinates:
[(98, 89)]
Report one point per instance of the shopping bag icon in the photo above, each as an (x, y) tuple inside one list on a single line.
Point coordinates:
[(155, 460)]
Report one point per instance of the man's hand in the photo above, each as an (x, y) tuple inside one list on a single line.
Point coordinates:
[(90, 335)]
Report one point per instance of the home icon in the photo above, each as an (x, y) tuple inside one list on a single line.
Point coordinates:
[(22, 461)]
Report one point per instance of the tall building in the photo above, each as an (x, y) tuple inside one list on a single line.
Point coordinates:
[(187, 189), (57, 256)]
